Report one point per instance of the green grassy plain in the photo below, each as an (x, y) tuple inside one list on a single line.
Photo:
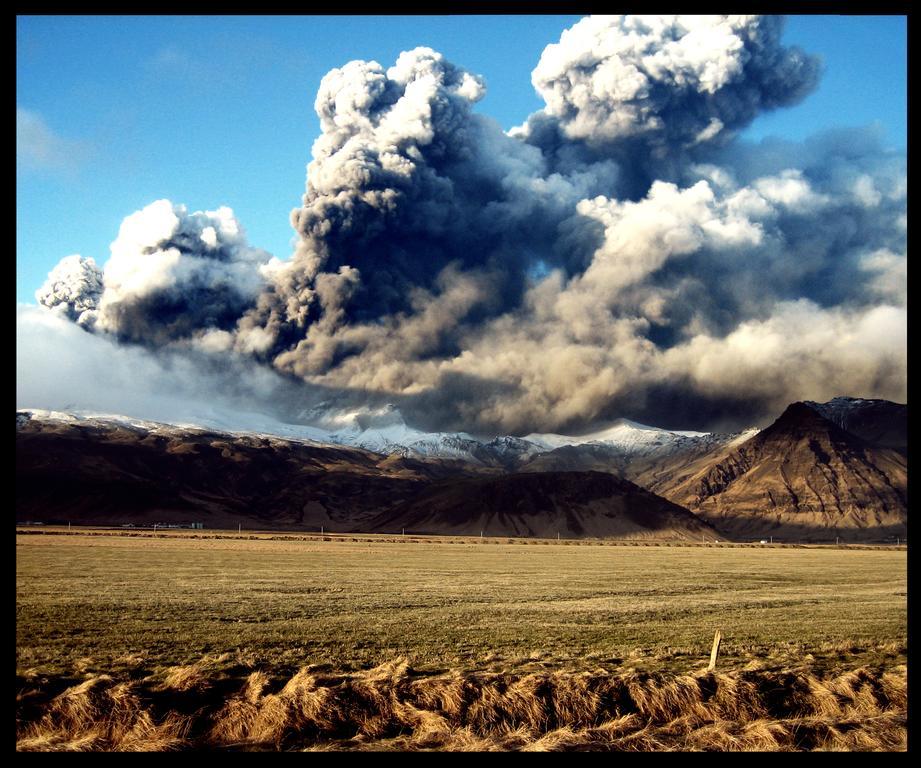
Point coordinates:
[(139, 605)]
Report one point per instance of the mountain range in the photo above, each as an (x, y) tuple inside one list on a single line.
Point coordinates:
[(820, 470)]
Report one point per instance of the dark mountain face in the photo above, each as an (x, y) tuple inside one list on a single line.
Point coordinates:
[(544, 504), (802, 477), (881, 423), (820, 470), (115, 474)]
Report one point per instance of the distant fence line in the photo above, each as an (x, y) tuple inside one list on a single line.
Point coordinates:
[(411, 537)]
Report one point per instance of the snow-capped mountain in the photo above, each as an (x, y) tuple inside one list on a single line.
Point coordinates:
[(624, 448), (382, 429), (513, 448), (258, 425), (626, 435)]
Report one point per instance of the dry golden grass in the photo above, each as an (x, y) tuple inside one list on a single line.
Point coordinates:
[(262, 644), (112, 605), (391, 707), (102, 715)]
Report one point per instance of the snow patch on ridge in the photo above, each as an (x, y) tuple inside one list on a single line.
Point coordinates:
[(627, 435), (382, 429)]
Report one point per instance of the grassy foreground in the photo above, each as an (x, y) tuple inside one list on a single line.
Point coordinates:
[(291, 635)]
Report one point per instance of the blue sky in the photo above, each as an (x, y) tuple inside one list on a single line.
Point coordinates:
[(210, 111)]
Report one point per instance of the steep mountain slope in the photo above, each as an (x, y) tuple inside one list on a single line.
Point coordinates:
[(801, 478), (571, 504), (660, 472)]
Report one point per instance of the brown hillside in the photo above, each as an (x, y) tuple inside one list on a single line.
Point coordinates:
[(572, 504), (116, 475), (101, 473), (801, 478)]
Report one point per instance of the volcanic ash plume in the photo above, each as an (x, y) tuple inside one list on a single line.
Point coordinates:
[(172, 275), (653, 90), (73, 288), (669, 79), (622, 254), (409, 190)]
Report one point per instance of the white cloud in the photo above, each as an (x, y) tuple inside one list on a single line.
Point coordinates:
[(39, 147), (61, 367)]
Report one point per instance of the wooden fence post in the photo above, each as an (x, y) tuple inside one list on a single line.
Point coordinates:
[(716, 649)]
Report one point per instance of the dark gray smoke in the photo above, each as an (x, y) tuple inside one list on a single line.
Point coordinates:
[(410, 191), (621, 254)]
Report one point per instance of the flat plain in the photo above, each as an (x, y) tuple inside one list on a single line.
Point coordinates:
[(140, 607), (91, 602)]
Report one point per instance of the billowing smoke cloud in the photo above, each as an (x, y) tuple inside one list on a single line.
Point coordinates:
[(408, 190), (172, 276), (73, 289), (669, 80), (653, 91), (621, 254)]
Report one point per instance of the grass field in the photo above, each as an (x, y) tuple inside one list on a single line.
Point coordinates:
[(141, 608)]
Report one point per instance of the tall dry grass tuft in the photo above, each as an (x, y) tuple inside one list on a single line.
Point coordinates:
[(661, 699), (894, 685), (237, 719), (731, 697), (860, 692), (199, 676), (392, 707), (301, 708), (576, 701), (504, 706), (448, 695), (101, 715)]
